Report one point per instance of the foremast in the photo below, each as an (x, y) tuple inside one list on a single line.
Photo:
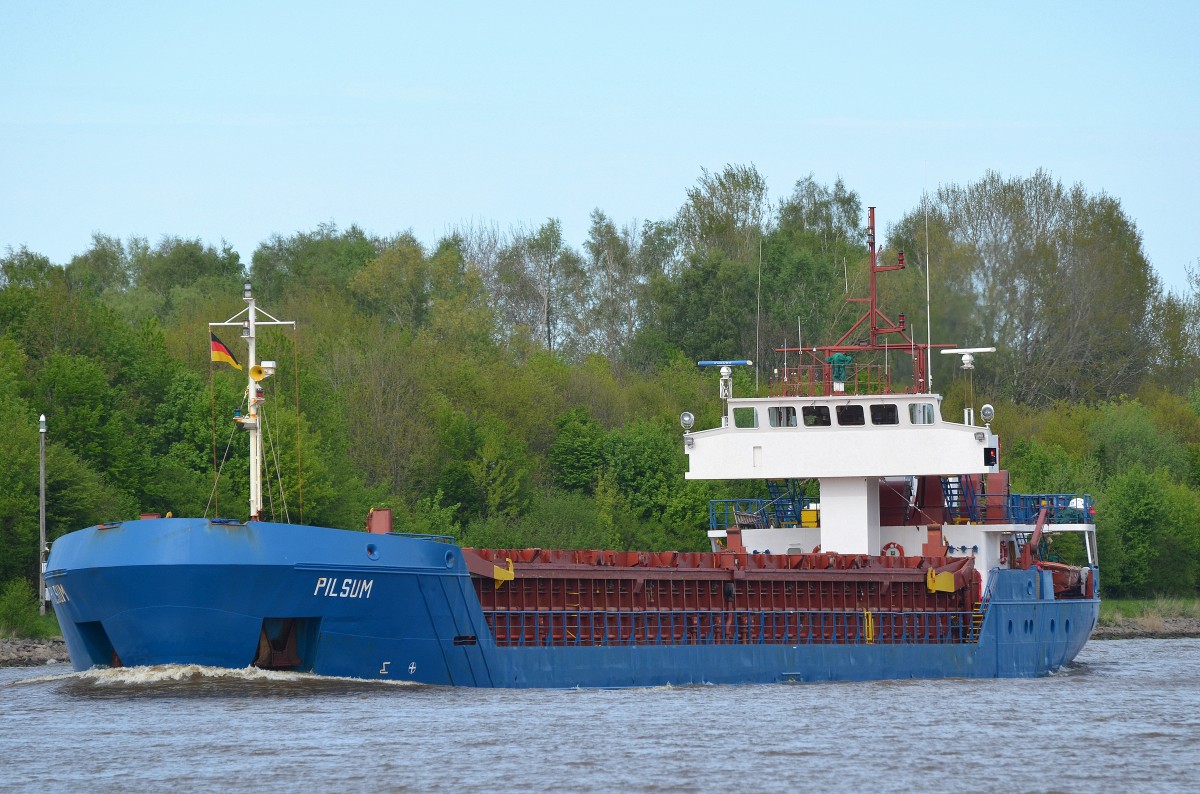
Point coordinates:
[(248, 320)]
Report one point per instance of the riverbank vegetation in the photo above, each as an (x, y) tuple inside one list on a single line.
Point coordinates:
[(19, 616), (510, 388), (1136, 618), (1118, 610)]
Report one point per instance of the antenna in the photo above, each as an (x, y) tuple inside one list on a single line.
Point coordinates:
[(726, 366), (968, 363), (928, 310), (758, 317), (968, 354)]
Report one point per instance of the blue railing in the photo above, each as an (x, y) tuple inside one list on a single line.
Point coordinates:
[(988, 591), (1065, 508), (778, 512), (533, 628), (724, 513)]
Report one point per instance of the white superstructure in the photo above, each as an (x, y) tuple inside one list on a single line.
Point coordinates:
[(857, 447)]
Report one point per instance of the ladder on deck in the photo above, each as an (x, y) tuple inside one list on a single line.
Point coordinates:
[(785, 503), (976, 622), (962, 503), (1020, 540)]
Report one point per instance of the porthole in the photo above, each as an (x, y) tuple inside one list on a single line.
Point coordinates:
[(372, 551), (449, 559)]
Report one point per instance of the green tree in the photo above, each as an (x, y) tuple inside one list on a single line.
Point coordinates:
[(103, 267), (543, 288), (1037, 467), (500, 472), (76, 496), (1149, 541), (727, 212), (88, 416), (323, 260), (806, 258), (647, 463), (577, 454), (176, 262), (439, 292), (1124, 435), (1175, 323), (24, 268), (396, 283), (18, 609), (1037, 264)]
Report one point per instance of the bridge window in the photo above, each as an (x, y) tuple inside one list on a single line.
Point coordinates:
[(920, 413), (816, 415), (886, 414), (745, 417), (782, 416), (850, 415)]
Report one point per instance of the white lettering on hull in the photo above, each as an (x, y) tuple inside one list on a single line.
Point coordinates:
[(334, 587)]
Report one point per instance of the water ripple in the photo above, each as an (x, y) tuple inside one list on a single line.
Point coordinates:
[(1122, 717)]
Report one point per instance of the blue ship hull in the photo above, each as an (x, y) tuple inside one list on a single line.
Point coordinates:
[(191, 591)]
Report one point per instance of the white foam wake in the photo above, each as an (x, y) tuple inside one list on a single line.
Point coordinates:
[(168, 673), (161, 673)]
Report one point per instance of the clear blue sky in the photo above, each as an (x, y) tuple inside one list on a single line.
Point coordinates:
[(216, 121)]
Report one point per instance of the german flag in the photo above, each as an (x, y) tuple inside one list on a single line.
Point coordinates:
[(222, 353)]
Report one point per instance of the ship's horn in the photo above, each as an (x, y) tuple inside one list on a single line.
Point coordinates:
[(257, 373)]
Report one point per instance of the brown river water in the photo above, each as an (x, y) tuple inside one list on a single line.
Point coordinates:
[(1124, 717)]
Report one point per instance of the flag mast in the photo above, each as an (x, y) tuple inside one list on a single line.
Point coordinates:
[(255, 373), (253, 399)]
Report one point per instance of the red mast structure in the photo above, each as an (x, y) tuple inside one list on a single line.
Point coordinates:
[(819, 365)]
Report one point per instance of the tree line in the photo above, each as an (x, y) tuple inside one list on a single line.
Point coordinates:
[(511, 389)]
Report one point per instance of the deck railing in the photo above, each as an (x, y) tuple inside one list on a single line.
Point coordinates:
[(1065, 508), (814, 380), (531, 628), (780, 511)]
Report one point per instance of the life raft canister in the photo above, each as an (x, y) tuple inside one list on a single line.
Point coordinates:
[(893, 549)]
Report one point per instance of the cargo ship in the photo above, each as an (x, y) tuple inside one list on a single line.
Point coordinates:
[(886, 544)]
